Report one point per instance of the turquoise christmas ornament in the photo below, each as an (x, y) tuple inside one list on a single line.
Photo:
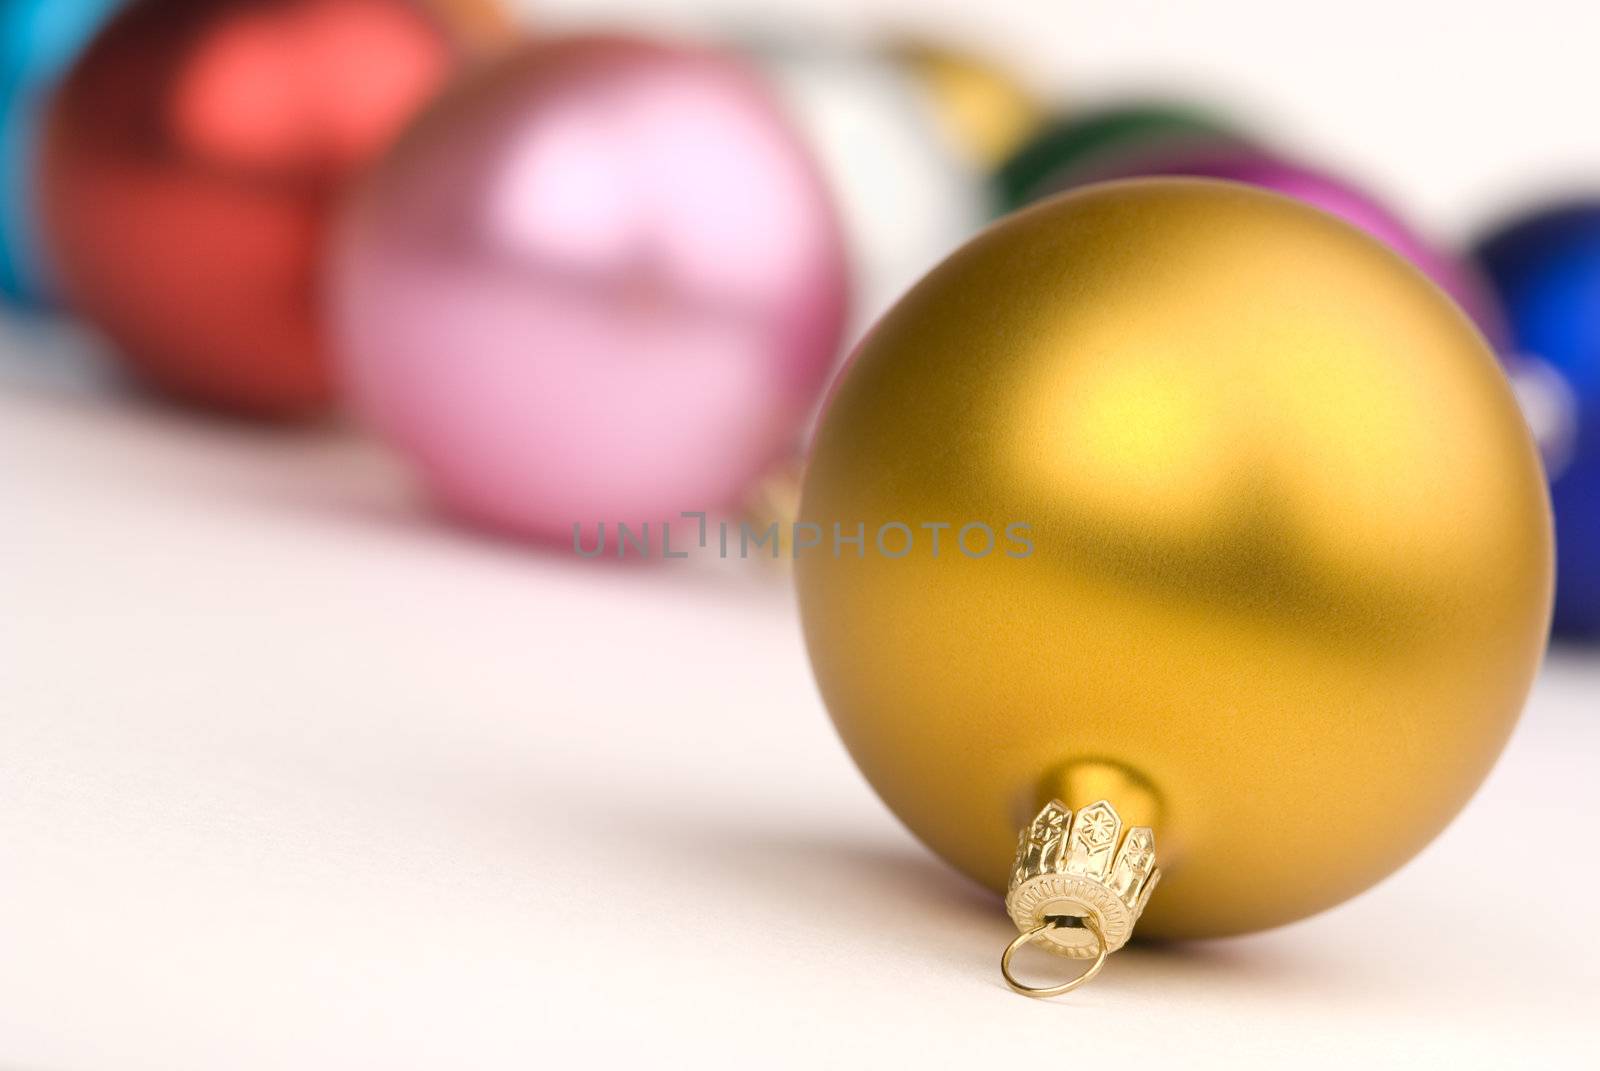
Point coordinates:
[(39, 39)]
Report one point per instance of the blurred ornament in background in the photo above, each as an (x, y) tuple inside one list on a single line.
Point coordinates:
[(906, 182), (484, 25), (601, 281), (39, 39), (1257, 167), (192, 161), (985, 112), (1287, 548), (1545, 266), (772, 506), (1080, 148)]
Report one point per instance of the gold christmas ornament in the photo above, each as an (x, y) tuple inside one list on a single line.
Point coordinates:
[(485, 25), (1188, 498), (983, 109), (773, 505)]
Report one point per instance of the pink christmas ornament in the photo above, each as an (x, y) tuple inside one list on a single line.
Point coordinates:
[(600, 282)]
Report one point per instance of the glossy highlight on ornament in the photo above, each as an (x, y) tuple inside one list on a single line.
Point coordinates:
[(39, 39), (193, 159), (601, 282), (1292, 569), (1545, 267)]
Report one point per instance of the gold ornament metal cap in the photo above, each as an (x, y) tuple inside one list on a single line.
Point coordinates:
[(1077, 888)]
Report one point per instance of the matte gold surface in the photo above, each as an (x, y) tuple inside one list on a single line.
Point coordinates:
[(1292, 565)]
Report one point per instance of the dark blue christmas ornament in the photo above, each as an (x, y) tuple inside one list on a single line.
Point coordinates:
[(1546, 267)]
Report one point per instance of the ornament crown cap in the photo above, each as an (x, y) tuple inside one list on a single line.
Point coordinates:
[(1078, 885)]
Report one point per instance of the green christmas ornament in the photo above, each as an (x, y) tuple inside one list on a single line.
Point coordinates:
[(1072, 149)]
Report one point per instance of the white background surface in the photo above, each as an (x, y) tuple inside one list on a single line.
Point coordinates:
[(292, 775)]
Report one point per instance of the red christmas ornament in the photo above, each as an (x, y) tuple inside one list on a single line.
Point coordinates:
[(192, 161)]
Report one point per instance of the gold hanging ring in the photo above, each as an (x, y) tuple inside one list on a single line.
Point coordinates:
[(1089, 923)]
